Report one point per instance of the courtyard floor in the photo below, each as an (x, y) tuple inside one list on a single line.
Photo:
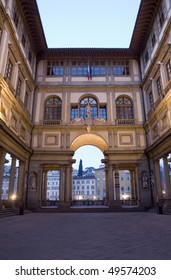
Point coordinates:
[(83, 236)]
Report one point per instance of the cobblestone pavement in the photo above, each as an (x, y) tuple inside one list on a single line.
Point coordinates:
[(82, 236)]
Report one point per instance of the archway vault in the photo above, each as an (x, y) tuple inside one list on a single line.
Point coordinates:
[(89, 139)]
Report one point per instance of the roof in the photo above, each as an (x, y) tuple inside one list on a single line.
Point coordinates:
[(145, 19), (84, 177), (86, 53), (30, 12)]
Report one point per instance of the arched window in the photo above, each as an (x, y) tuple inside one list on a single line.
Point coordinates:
[(53, 108), (124, 108), (88, 105)]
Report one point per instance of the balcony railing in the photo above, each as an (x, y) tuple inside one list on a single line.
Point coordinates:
[(52, 122), (125, 122)]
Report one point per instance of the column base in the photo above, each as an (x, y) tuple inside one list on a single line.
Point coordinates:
[(64, 204), (115, 204)]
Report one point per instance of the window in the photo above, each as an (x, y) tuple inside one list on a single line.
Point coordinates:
[(98, 68), (103, 113), (53, 108), (15, 18), (151, 99), (161, 17), (79, 68), (159, 86), (55, 68), (23, 40), (74, 112), (9, 70), (18, 89), (26, 100), (88, 107), (124, 108), (146, 57), (93, 107), (153, 40), (121, 68), (30, 56), (168, 69)]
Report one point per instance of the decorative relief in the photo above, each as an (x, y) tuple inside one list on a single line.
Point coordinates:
[(51, 139), (126, 139), (33, 181), (144, 180), (14, 122)]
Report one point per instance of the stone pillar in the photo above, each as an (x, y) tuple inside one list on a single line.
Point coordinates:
[(70, 193), (44, 188), (107, 186), (11, 182), (14, 78), (20, 185), (111, 186), (132, 185), (157, 177), (23, 90), (4, 52), (2, 163), (154, 90), (117, 185), (61, 185), (167, 178), (67, 186), (163, 75)]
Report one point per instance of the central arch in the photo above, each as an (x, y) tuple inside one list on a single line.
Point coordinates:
[(89, 139)]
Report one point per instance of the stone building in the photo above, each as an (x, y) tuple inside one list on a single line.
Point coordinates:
[(53, 101)]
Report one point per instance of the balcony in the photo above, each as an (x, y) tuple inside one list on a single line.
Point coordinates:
[(52, 122), (124, 122)]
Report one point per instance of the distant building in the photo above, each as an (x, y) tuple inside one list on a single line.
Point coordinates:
[(84, 188)]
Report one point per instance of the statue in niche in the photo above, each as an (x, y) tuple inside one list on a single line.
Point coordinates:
[(33, 182), (144, 179), (88, 110)]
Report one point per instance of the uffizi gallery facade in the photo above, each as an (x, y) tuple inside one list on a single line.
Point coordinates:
[(54, 101)]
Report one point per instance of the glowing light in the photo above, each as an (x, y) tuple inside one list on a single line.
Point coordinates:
[(125, 196), (13, 197)]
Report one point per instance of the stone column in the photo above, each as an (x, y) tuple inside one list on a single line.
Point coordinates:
[(70, 193), (15, 75), (20, 185), (23, 90), (107, 185), (167, 178), (117, 185), (11, 182), (2, 163), (132, 185), (111, 186), (154, 90), (157, 177), (67, 186), (163, 75), (44, 188), (61, 185)]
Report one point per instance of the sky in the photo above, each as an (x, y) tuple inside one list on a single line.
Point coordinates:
[(88, 23)]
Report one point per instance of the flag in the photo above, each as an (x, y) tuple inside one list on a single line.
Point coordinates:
[(89, 72)]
